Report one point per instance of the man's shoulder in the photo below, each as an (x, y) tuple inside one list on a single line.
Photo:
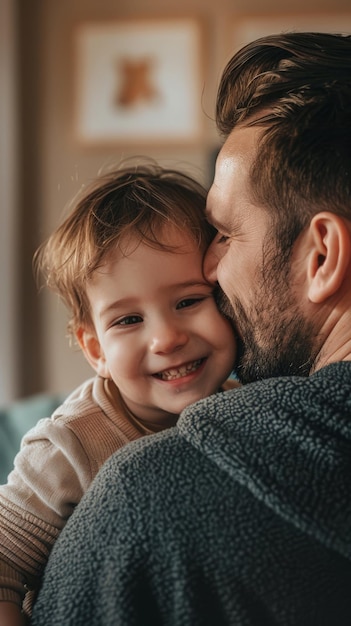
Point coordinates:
[(151, 445), (144, 470), (260, 402), (153, 450)]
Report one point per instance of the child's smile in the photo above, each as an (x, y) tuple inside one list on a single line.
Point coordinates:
[(158, 333), (182, 371)]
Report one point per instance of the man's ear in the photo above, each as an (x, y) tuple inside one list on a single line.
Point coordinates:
[(92, 351), (329, 256)]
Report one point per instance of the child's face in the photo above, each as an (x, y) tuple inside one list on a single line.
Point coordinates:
[(158, 333)]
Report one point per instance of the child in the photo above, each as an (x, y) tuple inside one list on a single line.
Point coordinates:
[(127, 262)]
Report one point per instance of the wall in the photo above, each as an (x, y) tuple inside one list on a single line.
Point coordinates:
[(8, 203), (54, 165)]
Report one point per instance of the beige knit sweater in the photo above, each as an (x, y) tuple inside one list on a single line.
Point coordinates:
[(57, 462)]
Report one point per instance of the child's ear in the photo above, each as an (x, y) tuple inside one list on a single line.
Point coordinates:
[(92, 351), (330, 255)]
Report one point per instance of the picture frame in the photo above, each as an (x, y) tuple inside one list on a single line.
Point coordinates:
[(138, 82), (248, 28)]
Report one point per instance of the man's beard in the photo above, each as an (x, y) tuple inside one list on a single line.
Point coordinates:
[(274, 339)]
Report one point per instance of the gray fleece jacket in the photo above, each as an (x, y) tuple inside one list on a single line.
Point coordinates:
[(240, 515)]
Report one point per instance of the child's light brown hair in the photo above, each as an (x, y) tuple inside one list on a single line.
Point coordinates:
[(139, 202)]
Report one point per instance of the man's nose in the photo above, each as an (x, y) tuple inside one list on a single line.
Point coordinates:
[(210, 263), (168, 337)]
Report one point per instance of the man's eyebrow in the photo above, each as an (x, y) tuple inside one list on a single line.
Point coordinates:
[(209, 216), (212, 220)]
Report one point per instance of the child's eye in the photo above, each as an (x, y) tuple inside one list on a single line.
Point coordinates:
[(129, 320), (188, 302)]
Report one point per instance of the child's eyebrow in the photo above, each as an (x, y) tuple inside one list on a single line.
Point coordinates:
[(133, 300), (115, 305), (191, 283)]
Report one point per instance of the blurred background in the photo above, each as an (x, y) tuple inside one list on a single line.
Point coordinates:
[(59, 128)]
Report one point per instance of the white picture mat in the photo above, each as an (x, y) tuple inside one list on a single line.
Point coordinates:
[(172, 47)]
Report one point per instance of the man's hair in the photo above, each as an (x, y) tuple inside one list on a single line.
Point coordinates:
[(138, 202), (297, 86)]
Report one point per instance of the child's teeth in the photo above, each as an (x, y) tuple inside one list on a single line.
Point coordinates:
[(172, 374)]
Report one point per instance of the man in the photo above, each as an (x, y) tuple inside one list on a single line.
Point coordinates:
[(241, 514)]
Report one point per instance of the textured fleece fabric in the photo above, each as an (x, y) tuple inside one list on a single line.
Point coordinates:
[(240, 515)]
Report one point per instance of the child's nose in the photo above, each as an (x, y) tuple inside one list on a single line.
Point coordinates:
[(166, 338)]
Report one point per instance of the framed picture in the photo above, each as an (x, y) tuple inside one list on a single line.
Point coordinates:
[(246, 29), (138, 81)]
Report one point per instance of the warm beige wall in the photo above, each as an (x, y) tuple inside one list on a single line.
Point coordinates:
[(8, 203), (54, 165)]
